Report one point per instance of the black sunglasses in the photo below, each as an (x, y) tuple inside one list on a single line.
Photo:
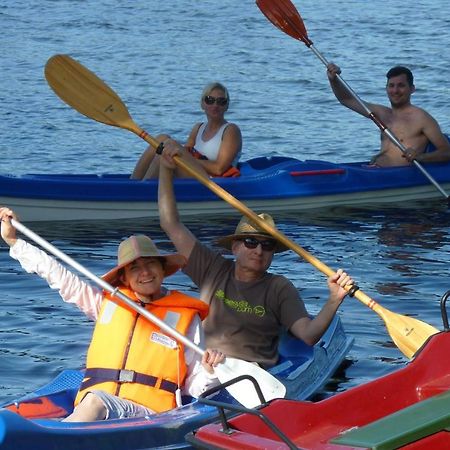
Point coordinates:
[(267, 244), (210, 100)]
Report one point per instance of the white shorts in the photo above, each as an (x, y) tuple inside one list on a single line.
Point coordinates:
[(119, 408)]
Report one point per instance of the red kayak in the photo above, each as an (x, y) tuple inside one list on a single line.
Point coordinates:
[(408, 409)]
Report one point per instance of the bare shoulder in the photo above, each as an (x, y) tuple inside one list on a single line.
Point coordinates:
[(419, 112), (424, 118), (232, 126), (232, 129), (193, 134), (383, 112)]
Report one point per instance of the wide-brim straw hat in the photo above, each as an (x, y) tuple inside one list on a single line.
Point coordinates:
[(247, 228), (140, 246)]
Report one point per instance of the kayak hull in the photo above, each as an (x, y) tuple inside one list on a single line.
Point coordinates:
[(269, 184)]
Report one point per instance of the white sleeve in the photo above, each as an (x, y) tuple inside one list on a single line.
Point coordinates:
[(71, 288), (198, 380)]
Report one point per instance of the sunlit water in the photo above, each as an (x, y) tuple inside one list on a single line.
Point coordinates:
[(158, 56)]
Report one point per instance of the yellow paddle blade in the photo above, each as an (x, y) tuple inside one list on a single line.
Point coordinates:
[(84, 91), (408, 334)]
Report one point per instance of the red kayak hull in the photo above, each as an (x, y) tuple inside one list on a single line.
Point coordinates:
[(409, 409)]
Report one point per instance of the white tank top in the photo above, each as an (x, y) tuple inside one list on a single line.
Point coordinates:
[(211, 147)]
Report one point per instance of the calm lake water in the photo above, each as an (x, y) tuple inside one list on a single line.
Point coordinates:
[(158, 56)]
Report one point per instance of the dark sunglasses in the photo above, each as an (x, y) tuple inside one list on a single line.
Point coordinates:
[(267, 245), (210, 100)]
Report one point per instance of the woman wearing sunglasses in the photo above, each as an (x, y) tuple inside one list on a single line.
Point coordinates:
[(213, 147)]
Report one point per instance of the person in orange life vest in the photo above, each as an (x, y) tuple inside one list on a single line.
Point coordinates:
[(213, 147), (133, 369)]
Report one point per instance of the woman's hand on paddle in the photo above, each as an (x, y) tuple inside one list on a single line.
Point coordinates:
[(211, 358), (7, 230), (337, 283), (171, 148)]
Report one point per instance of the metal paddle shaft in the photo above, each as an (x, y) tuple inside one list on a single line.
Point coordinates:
[(231, 368), (71, 81), (284, 15)]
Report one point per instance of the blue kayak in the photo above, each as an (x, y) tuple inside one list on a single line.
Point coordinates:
[(268, 184), (33, 422)]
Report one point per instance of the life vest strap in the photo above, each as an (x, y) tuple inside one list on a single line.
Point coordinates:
[(95, 376)]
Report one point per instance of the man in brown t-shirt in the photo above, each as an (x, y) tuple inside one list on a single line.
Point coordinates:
[(248, 305)]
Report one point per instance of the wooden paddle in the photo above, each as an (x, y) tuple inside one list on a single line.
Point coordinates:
[(284, 15), (231, 368), (85, 92)]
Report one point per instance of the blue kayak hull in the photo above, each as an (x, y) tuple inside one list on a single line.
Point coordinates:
[(33, 422), (269, 184)]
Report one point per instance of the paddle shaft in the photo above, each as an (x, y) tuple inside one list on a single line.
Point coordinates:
[(106, 286)]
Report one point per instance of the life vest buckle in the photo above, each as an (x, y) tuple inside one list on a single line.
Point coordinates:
[(127, 376)]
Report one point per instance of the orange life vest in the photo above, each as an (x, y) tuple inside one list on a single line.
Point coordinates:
[(132, 358)]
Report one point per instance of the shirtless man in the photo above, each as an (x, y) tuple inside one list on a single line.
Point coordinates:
[(412, 126)]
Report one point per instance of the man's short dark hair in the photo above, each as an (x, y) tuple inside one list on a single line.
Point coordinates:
[(399, 70)]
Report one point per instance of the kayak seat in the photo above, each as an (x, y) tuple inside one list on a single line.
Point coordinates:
[(67, 381), (262, 163), (403, 427), (291, 347), (293, 353)]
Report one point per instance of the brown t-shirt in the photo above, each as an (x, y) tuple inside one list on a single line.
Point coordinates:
[(245, 319)]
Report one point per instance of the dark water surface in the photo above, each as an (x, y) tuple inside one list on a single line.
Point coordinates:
[(158, 56)]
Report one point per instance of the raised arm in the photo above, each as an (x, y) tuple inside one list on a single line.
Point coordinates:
[(345, 97), (71, 288), (169, 219)]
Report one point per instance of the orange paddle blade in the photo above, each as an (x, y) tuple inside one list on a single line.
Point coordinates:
[(283, 14)]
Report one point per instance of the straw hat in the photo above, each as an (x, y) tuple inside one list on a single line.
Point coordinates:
[(246, 228), (139, 246)]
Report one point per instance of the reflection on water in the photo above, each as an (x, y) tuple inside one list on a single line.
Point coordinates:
[(397, 255)]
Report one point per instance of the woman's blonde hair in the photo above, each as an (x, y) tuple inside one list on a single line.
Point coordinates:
[(214, 85)]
